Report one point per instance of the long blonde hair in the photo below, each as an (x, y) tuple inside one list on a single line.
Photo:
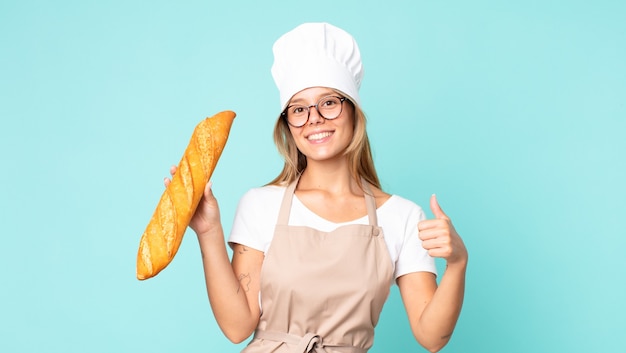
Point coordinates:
[(358, 152)]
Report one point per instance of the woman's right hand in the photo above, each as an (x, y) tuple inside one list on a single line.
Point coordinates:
[(207, 215)]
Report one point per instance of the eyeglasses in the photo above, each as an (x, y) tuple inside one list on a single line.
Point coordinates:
[(329, 108)]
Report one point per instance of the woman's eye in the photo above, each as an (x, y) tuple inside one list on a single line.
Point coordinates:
[(298, 110)]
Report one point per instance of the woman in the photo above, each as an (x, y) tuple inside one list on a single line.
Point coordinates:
[(316, 251)]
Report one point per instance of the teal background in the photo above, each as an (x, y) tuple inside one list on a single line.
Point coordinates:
[(514, 113)]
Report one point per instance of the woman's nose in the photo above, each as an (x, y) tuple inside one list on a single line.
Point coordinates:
[(314, 115)]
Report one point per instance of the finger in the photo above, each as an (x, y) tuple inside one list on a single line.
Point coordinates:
[(425, 234), (430, 244), (433, 233), (433, 224), (208, 192), (441, 243), (439, 252), (166, 181), (173, 169), (427, 224), (436, 209), (436, 248)]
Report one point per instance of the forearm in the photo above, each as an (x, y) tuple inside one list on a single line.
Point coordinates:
[(227, 297), (440, 315)]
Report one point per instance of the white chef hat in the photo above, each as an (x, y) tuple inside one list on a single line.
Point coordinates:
[(317, 55)]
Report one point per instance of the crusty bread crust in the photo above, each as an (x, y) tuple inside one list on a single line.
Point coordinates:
[(164, 233)]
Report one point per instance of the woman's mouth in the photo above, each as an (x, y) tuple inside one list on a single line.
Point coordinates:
[(319, 136)]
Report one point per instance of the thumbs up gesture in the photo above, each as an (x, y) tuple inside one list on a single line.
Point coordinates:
[(440, 238)]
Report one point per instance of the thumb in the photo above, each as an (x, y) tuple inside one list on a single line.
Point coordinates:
[(208, 190), (436, 209)]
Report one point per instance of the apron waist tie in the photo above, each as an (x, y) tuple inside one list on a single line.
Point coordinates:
[(309, 343)]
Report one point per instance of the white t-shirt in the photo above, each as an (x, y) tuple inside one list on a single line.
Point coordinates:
[(257, 214)]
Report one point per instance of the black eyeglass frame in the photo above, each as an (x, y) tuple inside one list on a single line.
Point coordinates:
[(341, 100)]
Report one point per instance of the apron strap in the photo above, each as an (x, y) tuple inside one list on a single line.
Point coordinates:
[(285, 208), (370, 202), (309, 343)]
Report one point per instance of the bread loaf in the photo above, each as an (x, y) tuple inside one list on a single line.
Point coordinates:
[(164, 233)]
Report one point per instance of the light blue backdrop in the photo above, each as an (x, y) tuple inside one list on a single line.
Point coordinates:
[(514, 113)]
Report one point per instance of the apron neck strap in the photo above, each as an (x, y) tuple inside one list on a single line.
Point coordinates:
[(370, 202), (285, 207)]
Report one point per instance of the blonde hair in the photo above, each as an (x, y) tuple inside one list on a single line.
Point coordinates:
[(358, 152)]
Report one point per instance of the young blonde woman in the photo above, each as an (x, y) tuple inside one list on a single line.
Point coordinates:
[(315, 252)]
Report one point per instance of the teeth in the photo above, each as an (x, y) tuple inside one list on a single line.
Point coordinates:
[(319, 136)]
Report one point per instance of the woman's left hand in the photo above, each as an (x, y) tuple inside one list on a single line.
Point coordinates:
[(440, 238)]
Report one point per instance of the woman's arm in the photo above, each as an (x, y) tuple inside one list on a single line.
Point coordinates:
[(433, 310), (232, 288)]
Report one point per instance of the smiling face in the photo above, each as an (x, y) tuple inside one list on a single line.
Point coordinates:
[(320, 139)]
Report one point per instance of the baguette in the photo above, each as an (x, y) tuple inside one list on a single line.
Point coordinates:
[(164, 233)]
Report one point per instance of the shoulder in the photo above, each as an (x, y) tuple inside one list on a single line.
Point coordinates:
[(256, 217), (262, 195), (398, 206), (399, 218), (380, 196), (260, 204)]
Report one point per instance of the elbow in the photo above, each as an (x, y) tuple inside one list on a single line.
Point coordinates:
[(237, 328), (237, 337), (433, 344), (239, 333), (434, 348)]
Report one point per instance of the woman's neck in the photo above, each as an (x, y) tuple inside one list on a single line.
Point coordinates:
[(334, 178)]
